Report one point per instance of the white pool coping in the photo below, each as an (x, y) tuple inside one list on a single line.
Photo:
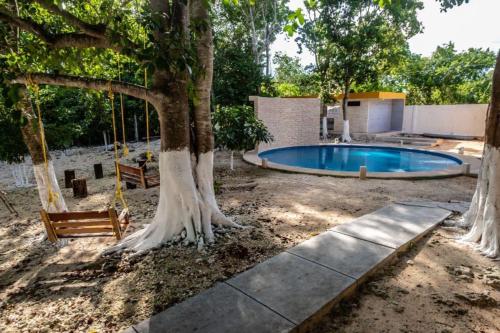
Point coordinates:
[(253, 158)]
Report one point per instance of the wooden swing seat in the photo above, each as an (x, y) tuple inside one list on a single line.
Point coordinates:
[(136, 176), (85, 224)]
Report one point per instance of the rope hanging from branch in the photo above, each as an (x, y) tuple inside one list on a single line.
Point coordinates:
[(118, 185), (51, 195)]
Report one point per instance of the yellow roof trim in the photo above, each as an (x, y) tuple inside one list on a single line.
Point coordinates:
[(362, 95), (374, 95)]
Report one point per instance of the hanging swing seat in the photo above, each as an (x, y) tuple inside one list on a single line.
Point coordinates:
[(137, 176), (104, 223)]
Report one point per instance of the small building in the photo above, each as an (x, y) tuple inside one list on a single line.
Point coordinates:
[(368, 112)]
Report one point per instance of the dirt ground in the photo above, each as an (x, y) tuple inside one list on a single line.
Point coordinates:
[(46, 288), (438, 286)]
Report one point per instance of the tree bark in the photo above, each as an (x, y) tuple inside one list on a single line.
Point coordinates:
[(483, 217), (79, 187), (45, 176), (69, 175), (346, 137)]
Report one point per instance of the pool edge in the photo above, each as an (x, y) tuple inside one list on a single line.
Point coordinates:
[(253, 158)]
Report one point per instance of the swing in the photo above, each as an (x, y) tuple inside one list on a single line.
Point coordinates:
[(131, 174), (83, 223)]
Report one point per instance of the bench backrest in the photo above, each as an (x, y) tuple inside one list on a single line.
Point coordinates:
[(78, 223), (130, 173)]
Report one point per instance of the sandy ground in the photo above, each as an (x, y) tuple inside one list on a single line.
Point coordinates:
[(45, 288), (438, 286)]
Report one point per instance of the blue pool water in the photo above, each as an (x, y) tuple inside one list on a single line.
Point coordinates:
[(350, 158)]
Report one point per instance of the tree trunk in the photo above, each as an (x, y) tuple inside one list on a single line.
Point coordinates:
[(69, 175), (346, 137), (268, 54), (136, 128), (483, 217), (203, 125), (45, 176), (98, 173), (79, 187), (187, 199)]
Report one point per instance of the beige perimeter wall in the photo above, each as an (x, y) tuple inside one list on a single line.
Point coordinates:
[(460, 119), (292, 121)]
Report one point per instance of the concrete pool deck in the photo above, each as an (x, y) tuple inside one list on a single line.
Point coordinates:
[(288, 292), (253, 158)]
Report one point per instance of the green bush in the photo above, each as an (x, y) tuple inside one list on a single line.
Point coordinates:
[(236, 128)]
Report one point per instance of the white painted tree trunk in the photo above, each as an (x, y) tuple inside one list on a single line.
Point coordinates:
[(136, 129), (20, 175), (231, 161), (43, 179), (105, 140), (205, 182), (185, 205), (324, 125), (346, 137), (483, 217)]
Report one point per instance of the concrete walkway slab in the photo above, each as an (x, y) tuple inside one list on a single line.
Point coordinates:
[(294, 287), (394, 225), (453, 206), (219, 309), (345, 254), (288, 291)]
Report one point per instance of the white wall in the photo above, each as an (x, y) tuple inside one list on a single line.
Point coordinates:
[(379, 116), (357, 116), (398, 108), (292, 121), (460, 119)]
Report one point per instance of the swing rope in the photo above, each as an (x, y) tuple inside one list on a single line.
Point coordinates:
[(51, 195), (122, 110), (118, 186), (149, 154)]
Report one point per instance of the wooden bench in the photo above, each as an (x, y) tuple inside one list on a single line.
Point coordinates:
[(85, 224), (137, 176)]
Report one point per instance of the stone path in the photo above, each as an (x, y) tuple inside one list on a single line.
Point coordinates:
[(293, 288)]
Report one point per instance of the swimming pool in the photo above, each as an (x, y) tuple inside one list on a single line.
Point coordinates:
[(349, 158)]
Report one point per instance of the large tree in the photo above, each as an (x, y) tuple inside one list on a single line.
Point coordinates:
[(72, 44), (353, 39), (483, 217), (262, 20)]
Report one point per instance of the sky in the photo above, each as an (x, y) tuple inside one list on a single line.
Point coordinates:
[(476, 24)]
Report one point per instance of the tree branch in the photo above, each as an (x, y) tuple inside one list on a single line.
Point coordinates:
[(26, 25), (80, 41), (98, 31), (94, 30), (89, 83), (77, 40)]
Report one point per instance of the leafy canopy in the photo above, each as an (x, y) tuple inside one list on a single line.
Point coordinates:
[(446, 77), (291, 79), (354, 40)]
